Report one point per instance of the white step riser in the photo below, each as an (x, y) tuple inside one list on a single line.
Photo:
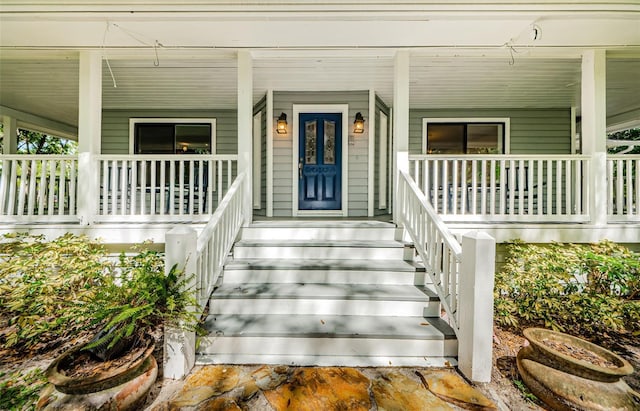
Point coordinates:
[(322, 307), (328, 360), (318, 234), (323, 277), (319, 253), (328, 346)]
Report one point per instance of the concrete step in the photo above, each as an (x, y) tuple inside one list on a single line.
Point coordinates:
[(241, 271), (322, 250), (319, 230), (324, 299), (239, 338)]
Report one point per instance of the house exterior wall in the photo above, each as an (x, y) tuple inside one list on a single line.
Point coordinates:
[(533, 131), (115, 127), (283, 102)]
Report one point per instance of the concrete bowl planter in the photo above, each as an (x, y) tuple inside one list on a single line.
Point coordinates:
[(544, 353), (121, 384), (565, 382)]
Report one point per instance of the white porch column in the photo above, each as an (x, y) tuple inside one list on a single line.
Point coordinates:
[(89, 133), (475, 335), (10, 140), (245, 122), (594, 130), (400, 120)]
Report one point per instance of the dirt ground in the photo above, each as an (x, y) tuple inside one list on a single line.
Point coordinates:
[(505, 389)]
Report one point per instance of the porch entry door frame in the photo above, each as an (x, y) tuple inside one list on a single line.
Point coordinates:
[(342, 109)]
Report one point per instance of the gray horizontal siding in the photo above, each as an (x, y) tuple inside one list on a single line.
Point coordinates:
[(358, 147), (115, 127), (533, 131)]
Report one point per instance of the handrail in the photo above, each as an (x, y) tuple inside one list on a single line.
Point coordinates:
[(440, 252), (217, 238)]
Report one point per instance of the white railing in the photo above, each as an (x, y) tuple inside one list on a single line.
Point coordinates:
[(38, 188), (525, 188), (461, 274), (440, 252), (217, 238), (202, 256), (623, 177), (161, 187)]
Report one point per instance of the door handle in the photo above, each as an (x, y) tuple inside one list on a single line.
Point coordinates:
[(300, 165)]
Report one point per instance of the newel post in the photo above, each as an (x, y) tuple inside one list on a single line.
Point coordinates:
[(180, 345), (475, 336)]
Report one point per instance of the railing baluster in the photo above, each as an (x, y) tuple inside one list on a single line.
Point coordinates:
[(152, 185), (558, 187), (42, 187), (629, 188), (492, 187), (4, 185), (32, 187), (567, 189), (72, 187), (637, 187)]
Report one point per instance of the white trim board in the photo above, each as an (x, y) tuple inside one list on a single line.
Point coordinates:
[(269, 114), (505, 120), (320, 108), (371, 153), (257, 157), (134, 120)]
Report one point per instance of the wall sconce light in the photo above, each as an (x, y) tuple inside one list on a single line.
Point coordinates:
[(358, 124), (281, 125)]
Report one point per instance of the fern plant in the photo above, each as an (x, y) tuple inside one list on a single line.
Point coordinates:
[(140, 297)]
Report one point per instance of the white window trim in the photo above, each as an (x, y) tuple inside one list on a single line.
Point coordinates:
[(505, 120), (321, 108), (134, 121)]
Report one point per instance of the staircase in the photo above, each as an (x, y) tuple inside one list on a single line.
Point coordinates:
[(325, 293)]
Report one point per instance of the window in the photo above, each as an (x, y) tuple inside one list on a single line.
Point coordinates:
[(460, 136), (171, 136)]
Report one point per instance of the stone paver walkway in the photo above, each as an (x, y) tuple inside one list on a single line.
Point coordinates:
[(278, 388)]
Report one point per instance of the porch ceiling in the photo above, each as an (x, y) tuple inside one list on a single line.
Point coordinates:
[(48, 87)]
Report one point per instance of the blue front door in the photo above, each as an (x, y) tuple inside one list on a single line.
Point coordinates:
[(320, 161)]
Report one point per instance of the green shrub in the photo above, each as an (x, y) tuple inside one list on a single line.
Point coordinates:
[(588, 289), (45, 287)]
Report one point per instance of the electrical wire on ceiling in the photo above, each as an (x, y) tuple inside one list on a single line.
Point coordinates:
[(140, 38), (104, 55), (534, 31)]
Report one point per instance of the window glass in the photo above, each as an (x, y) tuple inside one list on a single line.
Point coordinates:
[(172, 138), (465, 138), (445, 138)]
